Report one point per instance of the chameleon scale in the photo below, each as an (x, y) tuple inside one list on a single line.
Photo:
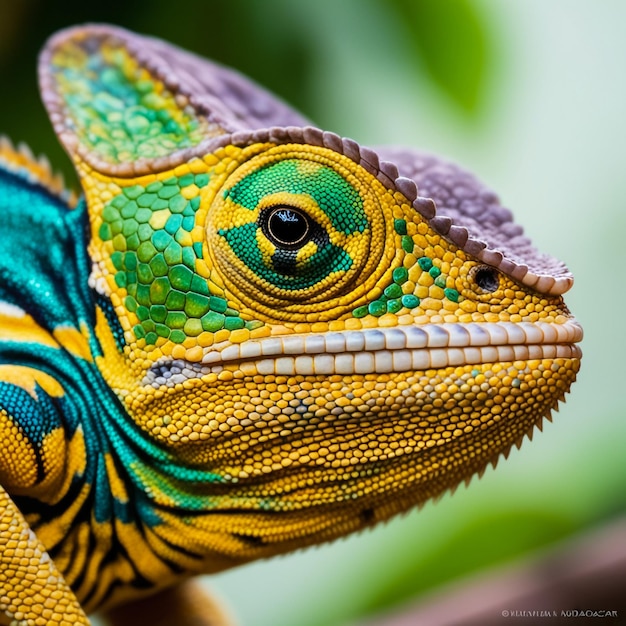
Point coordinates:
[(233, 353)]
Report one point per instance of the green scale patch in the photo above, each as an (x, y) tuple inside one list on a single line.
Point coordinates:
[(335, 196), (121, 117), (393, 299), (157, 266)]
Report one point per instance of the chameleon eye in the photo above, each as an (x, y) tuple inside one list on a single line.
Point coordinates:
[(295, 230), (487, 278), (286, 227)]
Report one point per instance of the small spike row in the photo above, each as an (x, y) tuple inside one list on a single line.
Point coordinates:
[(37, 170)]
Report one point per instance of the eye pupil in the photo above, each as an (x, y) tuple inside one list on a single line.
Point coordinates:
[(487, 279), (286, 227)]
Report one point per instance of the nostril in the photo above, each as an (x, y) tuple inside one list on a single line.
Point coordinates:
[(487, 279)]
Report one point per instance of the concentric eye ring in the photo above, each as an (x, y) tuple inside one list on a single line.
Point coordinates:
[(335, 215), (287, 227)]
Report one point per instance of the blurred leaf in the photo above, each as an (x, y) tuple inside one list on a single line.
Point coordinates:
[(11, 18), (482, 543), (449, 38), (267, 43)]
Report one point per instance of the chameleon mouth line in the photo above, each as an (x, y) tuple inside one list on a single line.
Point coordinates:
[(387, 361), (382, 350)]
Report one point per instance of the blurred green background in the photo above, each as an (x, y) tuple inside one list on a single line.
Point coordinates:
[(528, 94)]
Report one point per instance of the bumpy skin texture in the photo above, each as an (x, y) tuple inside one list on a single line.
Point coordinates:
[(249, 336)]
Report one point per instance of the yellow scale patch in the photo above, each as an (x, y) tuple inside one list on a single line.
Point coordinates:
[(26, 568), (16, 325), (18, 460), (28, 377)]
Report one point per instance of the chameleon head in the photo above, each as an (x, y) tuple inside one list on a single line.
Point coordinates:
[(278, 307)]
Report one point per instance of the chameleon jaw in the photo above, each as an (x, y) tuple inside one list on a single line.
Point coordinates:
[(381, 350)]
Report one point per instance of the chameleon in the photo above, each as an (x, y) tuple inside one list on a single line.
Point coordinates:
[(245, 336)]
